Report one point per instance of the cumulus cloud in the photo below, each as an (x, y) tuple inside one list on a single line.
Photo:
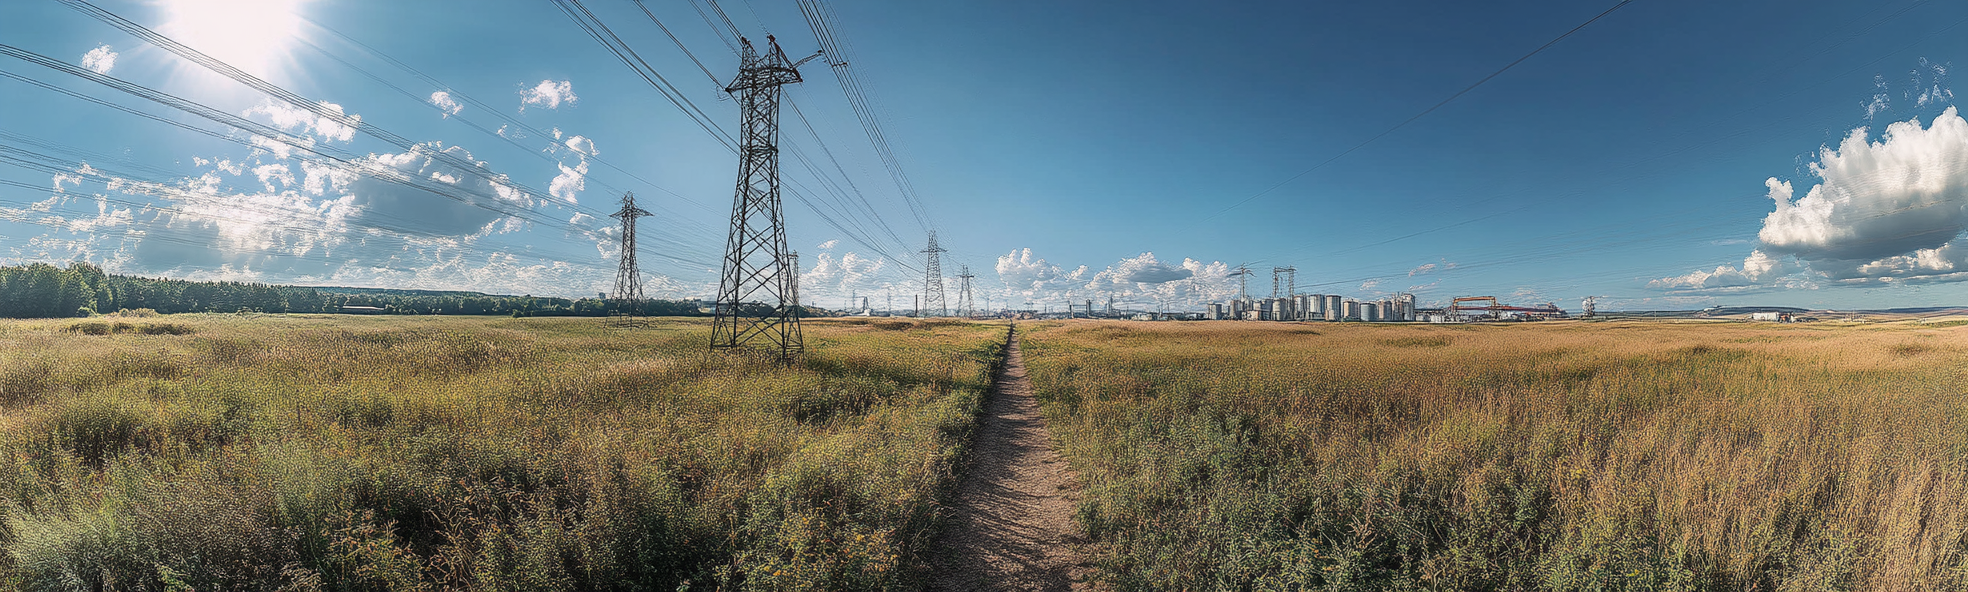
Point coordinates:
[(1022, 267), (832, 279), (549, 94), (829, 244), (1885, 210), (298, 121), (1907, 191), (582, 145), (1142, 281), (444, 101), (389, 204), (307, 222), (1755, 269), (571, 180), (1146, 270), (100, 59)]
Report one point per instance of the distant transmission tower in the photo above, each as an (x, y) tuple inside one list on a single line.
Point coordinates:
[(933, 280), (793, 282), (628, 279), (1243, 281), (755, 295), (964, 302), (1284, 282)]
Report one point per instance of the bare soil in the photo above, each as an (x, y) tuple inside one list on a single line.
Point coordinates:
[(1012, 521)]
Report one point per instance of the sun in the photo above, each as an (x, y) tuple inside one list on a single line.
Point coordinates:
[(252, 35)]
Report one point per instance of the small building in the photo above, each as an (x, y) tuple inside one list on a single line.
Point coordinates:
[(1775, 317)]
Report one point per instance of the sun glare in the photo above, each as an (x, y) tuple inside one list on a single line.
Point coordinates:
[(252, 35)]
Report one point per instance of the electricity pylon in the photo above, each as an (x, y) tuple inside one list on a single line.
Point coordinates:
[(964, 303), (933, 280), (793, 282), (1286, 279), (754, 292), (628, 279), (1243, 281)]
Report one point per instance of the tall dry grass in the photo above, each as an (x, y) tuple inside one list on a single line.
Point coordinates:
[(334, 453), (1560, 456)]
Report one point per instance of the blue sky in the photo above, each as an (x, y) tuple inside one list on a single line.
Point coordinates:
[(1061, 150)]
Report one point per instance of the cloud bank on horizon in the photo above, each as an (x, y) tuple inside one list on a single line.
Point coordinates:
[(282, 211)]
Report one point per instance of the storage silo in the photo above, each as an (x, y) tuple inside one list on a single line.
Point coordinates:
[(1370, 311), (1334, 309)]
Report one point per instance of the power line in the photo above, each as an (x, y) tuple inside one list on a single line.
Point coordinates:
[(820, 21)]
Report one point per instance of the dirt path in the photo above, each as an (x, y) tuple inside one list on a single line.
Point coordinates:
[(1012, 523)]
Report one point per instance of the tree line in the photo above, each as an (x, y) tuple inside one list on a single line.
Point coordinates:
[(40, 290)]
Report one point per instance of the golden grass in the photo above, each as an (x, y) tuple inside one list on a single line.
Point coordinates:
[(1552, 456), (347, 453)]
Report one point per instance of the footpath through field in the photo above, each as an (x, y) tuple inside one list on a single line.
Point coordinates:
[(1012, 522)]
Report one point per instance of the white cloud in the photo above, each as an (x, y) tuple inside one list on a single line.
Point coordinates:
[(300, 121), (450, 105), (582, 145), (1757, 268), (389, 204), (1931, 81), (1144, 269), (548, 94), (100, 59), (829, 244), (1886, 210), (1137, 282), (1881, 102), (570, 181), (1906, 192), (832, 278)]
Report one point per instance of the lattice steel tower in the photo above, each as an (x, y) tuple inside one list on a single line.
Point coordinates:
[(933, 280), (793, 280), (964, 303), (628, 279), (755, 295), (1286, 279)]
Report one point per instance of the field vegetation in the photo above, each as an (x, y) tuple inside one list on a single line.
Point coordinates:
[(1556, 456), (256, 452)]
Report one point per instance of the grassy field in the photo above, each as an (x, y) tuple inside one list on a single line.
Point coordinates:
[(223, 452), (1555, 456)]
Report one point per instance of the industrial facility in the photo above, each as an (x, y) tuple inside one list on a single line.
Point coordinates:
[(1396, 308), (1317, 307)]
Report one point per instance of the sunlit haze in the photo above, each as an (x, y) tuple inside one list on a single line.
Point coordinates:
[(252, 35)]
